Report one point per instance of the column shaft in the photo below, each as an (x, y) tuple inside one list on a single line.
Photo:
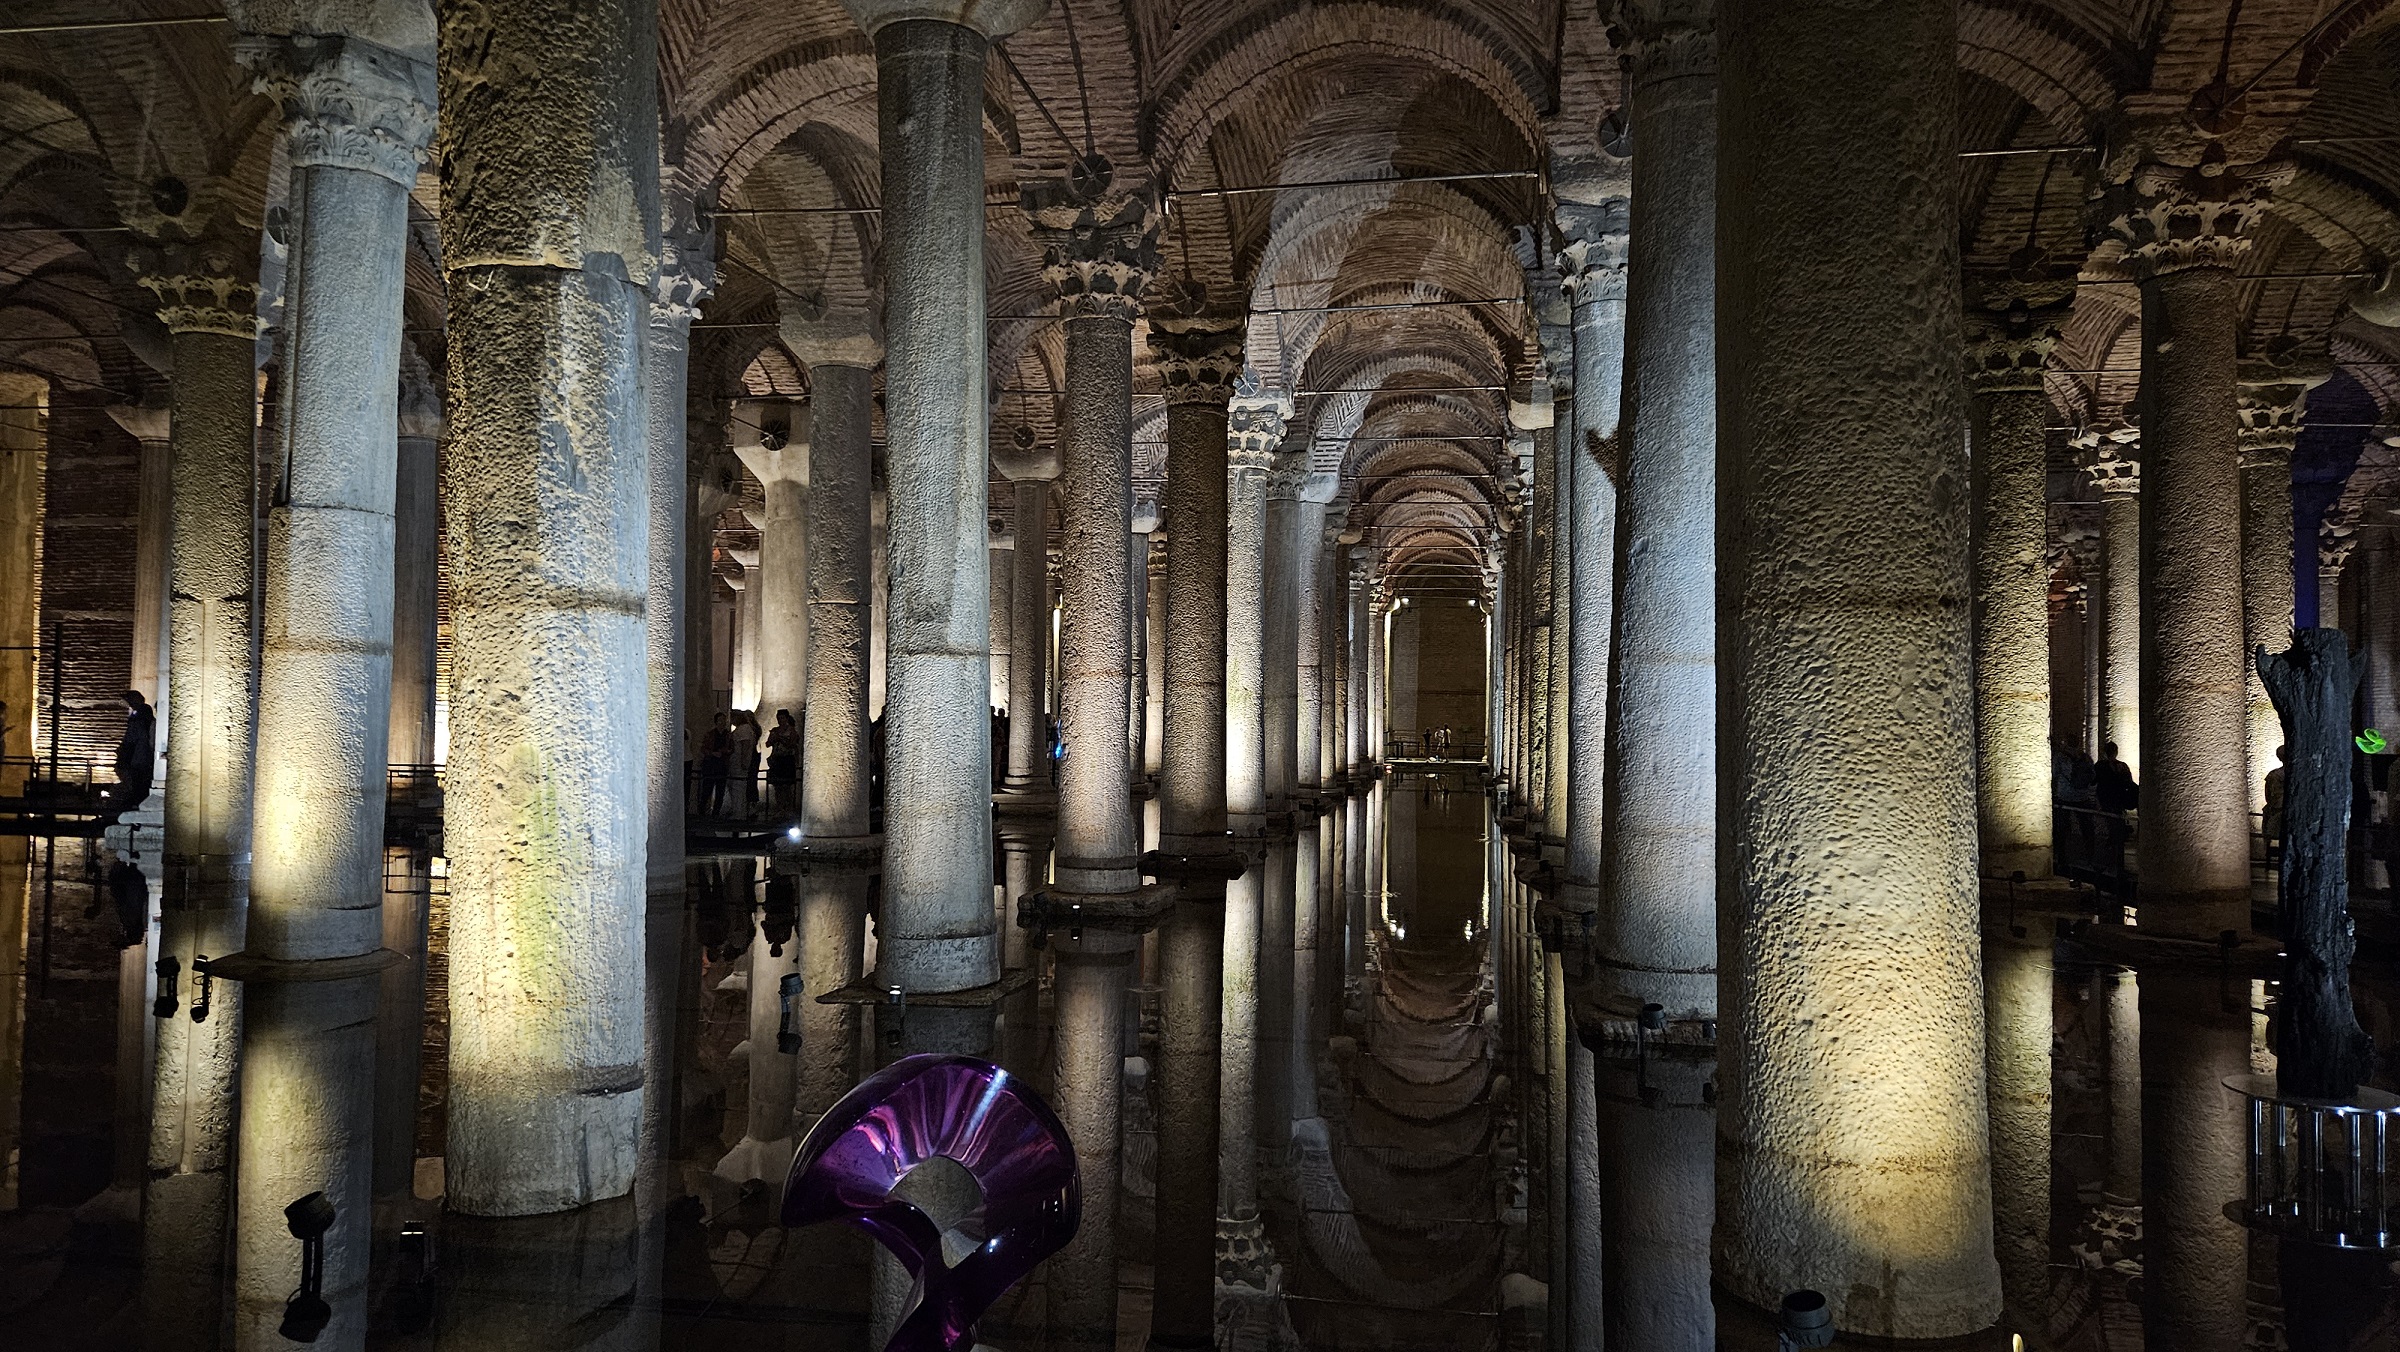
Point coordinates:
[(2017, 996), (1097, 842), (416, 584), (2267, 607), (1255, 428), (2121, 619), (1279, 631), (1600, 337), (1192, 783), (1089, 995), (2012, 631), (1848, 679), (666, 385), (834, 785), (1029, 632)]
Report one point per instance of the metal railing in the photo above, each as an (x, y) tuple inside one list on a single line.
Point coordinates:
[(2322, 1171)]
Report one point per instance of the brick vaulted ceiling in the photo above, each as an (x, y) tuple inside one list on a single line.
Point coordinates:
[(768, 112)]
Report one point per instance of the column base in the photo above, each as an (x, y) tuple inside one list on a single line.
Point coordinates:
[(1046, 909), (839, 854), (1223, 863), (1243, 1255), (1026, 802)]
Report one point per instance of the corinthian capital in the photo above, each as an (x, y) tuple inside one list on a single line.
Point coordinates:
[(1663, 39), (347, 104), (2110, 455), (2009, 342), (2174, 217), (687, 268), (2337, 536), (1099, 256), (1198, 359), (2270, 403), (1253, 429), (207, 285), (1287, 476)]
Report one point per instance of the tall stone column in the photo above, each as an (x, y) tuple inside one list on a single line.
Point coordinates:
[(1198, 360), (1561, 447), (1593, 261), (208, 301), (936, 931), (1306, 552), (416, 566), (687, 272), (1656, 942), (745, 635), (356, 117), (2008, 341), (1360, 622), (2117, 475), (714, 473), (1279, 626), (772, 438), (151, 423), (1277, 933), (1379, 694), (2184, 231), (1254, 428), (1150, 715), (2195, 1260), (1002, 548), (2270, 406), (547, 804), (841, 353), (1299, 1068), (1030, 470), (1853, 1157)]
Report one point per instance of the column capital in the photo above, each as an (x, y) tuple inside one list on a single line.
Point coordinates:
[(712, 481), (1287, 475), (1099, 256), (1198, 359), (2009, 342), (991, 18), (2337, 536), (2270, 401), (2111, 456), (1253, 429), (1156, 557), (149, 421), (1592, 258), (347, 103), (1663, 39), (1143, 519), (1531, 411), (834, 337), (2174, 217), (687, 270), (771, 437), (207, 285)]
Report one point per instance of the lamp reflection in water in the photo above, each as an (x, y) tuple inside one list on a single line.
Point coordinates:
[(984, 1121)]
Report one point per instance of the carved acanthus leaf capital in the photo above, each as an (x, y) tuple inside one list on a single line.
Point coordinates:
[(1663, 39), (1198, 359), (1100, 257), (2337, 536), (2172, 217), (2111, 456), (346, 103), (687, 270), (1592, 254), (2271, 401), (203, 286), (1254, 426), (2009, 344), (1287, 476)]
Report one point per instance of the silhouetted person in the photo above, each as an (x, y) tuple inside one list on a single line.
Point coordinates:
[(2270, 822), (716, 763), (137, 756), (2112, 783), (783, 764), (745, 760)]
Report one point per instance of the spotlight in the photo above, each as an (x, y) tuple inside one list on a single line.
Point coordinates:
[(793, 834), (306, 1314), (1806, 1322), (896, 1000)]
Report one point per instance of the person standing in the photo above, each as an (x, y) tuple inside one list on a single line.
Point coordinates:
[(783, 766), (745, 761), (716, 753)]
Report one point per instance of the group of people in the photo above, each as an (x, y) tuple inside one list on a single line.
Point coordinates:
[(730, 760)]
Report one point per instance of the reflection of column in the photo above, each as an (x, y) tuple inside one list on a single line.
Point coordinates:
[(2184, 231), (772, 438), (1088, 1010), (400, 1018), (685, 275), (541, 1281), (768, 1136), (1191, 1020), (1853, 1156), (2195, 1262), (2118, 478), (2123, 1184), (1241, 1240), (1276, 921), (1025, 860), (211, 674), (2017, 1028), (2008, 342), (1254, 428), (1308, 903), (357, 119), (1030, 471), (2270, 407), (416, 565), (546, 802), (936, 931), (1656, 1148)]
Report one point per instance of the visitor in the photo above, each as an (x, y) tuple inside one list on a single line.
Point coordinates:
[(137, 757), (2112, 784), (716, 762), (2270, 822), (745, 762), (783, 766)]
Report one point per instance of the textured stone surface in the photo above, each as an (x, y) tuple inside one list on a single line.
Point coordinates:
[(1853, 1157), (834, 772), (2012, 636)]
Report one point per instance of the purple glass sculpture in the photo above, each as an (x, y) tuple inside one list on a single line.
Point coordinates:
[(977, 1115)]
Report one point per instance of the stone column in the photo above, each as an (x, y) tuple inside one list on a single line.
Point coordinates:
[(1656, 942), (1198, 360), (1560, 448), (416, 566), (1151, 688), (1853, 1153), (1088, 1015), (2017, 979), (2337, 537), (2184, 231), (1002, 548), (2271, 405), (1030, 470), (357, 117), (686, 274), (1593, 261), (2109, 459), (2195, 1260), (1279, 627), (1379, 693), (1306, 551), (1277, 933), (151, 423), (547, 804), (745, 635), (709, 491), (772, 438), (2008, 340), (769, 1133), (841, 352), (208, 301), (936, 931), (1361, 624), (1254, 429)]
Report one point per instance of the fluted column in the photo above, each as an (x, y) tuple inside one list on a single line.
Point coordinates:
[(548, 276), (1197, 360), (686, 274), (2185, 230), (772, 438), (2271, 406), (2008, 341), (357, 117), (1254, 428), (1853, 1158), (208, 301), (2117, 476)]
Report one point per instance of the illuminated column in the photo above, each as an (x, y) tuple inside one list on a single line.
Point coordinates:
[(1025, 866), (2017, 979), (2184, 232), (1029, 469), (840, 352), (1151, 717), (936, 932), (768, 1136), (1277, 920), (2122, 1187), (1594, 262), (2271, 406), (1002, 548), (150, 423), (714, 474), (772, 438), (2117, 475), (2337, 537), (2195, 1261), (1533, 419), (1254, 428), (686, 274), (546, 803), (1656, 942), (357, 117), (1305, 551), (1088, 1013), (1279, 630), (416, 566), (1560, 447), (209, 305), (2007, 343), (1299, 1067), (745, 636), (1198, 361), (1853, 1157)]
